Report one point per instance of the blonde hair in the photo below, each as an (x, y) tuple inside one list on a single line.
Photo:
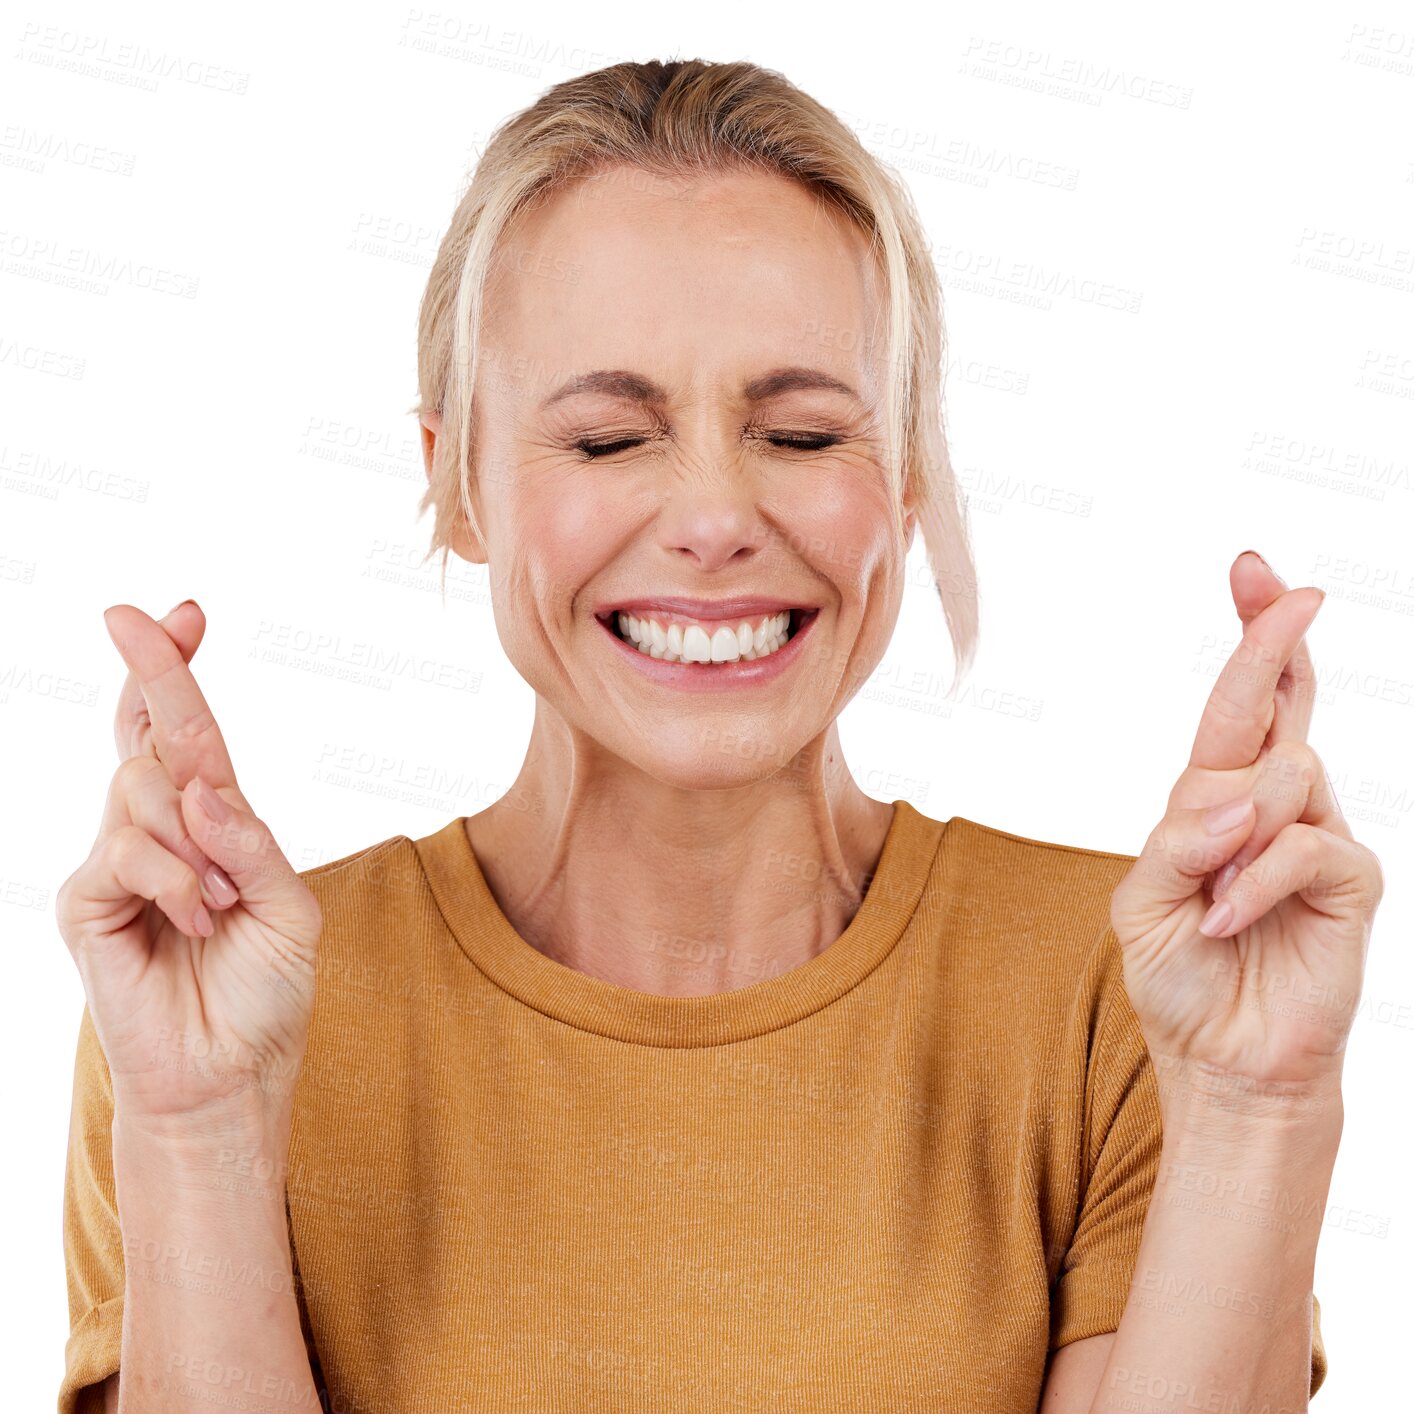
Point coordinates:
[(684, 118)]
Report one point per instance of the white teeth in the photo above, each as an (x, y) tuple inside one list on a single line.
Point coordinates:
[(689, 643), (696, 648)]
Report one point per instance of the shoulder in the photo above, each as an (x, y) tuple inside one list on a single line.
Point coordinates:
[(1030, 878), (365, 873), (345, 863), (1066, 856), (1030, 919), (372, 900), (378, 898), (376, 909)]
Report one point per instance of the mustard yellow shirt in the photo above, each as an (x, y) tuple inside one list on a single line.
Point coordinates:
[(894, 1177)]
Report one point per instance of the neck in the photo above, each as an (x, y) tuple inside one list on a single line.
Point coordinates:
[(672, 890)]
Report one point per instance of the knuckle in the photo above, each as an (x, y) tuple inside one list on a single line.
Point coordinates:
[(133, 774), (1295, 761), (124, 845), (191, 727), (1225, 708)]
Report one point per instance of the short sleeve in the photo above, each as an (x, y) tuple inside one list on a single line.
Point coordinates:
[(93, 1238), (1123, 1143)]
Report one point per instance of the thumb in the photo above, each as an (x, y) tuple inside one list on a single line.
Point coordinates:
[(243, 846), (1181, 851)]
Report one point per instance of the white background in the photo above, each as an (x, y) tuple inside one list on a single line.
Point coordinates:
[(249, 446)]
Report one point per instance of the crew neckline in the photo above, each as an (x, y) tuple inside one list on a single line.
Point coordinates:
[(495, 948)]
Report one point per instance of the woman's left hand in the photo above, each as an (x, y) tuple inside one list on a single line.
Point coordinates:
[(1263, 1000)]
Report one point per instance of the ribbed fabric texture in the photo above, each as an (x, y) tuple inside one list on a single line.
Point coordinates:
[(892, 1178)]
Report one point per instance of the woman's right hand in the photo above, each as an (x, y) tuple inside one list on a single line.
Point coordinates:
[(200, 995)]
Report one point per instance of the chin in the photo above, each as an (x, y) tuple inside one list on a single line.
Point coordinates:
[(711, 751)]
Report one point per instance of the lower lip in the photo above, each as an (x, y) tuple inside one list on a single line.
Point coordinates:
[(714, 677)]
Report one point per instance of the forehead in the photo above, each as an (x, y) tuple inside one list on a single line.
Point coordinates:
[(685, 280)]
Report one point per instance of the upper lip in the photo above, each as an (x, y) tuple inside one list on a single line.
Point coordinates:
[(745, 606)]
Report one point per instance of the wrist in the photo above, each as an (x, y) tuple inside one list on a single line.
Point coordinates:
[(209, 1218), (203, 1141), (1239, 1114)]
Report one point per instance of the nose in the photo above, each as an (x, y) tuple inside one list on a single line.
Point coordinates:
[(710, 513)]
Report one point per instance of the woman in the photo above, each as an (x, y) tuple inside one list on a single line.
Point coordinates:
[(687, 1076)]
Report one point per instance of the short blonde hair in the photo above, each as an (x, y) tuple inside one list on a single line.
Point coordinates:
[(684, 118)]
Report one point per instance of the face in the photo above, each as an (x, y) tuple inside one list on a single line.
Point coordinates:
[(679, 413)]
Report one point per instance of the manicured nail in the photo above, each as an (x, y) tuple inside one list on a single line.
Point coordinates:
[(1227, 816), (175, 607), (204, 927), (219, 886), (1218, 917), (210, 803)]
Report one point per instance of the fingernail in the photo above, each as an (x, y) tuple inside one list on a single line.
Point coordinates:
[(175, 607), (1216, 919), (1270, 570), (219, 885), (204, 927), (1227, 816), (210, 803)]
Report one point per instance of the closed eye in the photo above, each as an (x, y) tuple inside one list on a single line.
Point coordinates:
[(805, 441), (606, 449), (798, 442)]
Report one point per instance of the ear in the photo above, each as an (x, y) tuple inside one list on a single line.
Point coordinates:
[(469, 547), (431, 430)]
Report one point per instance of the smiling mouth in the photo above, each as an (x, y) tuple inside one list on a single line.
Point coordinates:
[(707, 644)]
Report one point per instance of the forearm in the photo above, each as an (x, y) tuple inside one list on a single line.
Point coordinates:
[(209, 1312), (1219, 1308)]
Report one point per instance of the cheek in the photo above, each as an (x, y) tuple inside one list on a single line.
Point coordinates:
[(564, 531), (842, 530)]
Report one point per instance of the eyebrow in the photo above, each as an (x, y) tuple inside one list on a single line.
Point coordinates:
[(619, 383)]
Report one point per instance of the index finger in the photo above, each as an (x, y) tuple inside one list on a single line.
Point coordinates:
[(1242, 705), (184, 730), (132, 725), (1255, 584)]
